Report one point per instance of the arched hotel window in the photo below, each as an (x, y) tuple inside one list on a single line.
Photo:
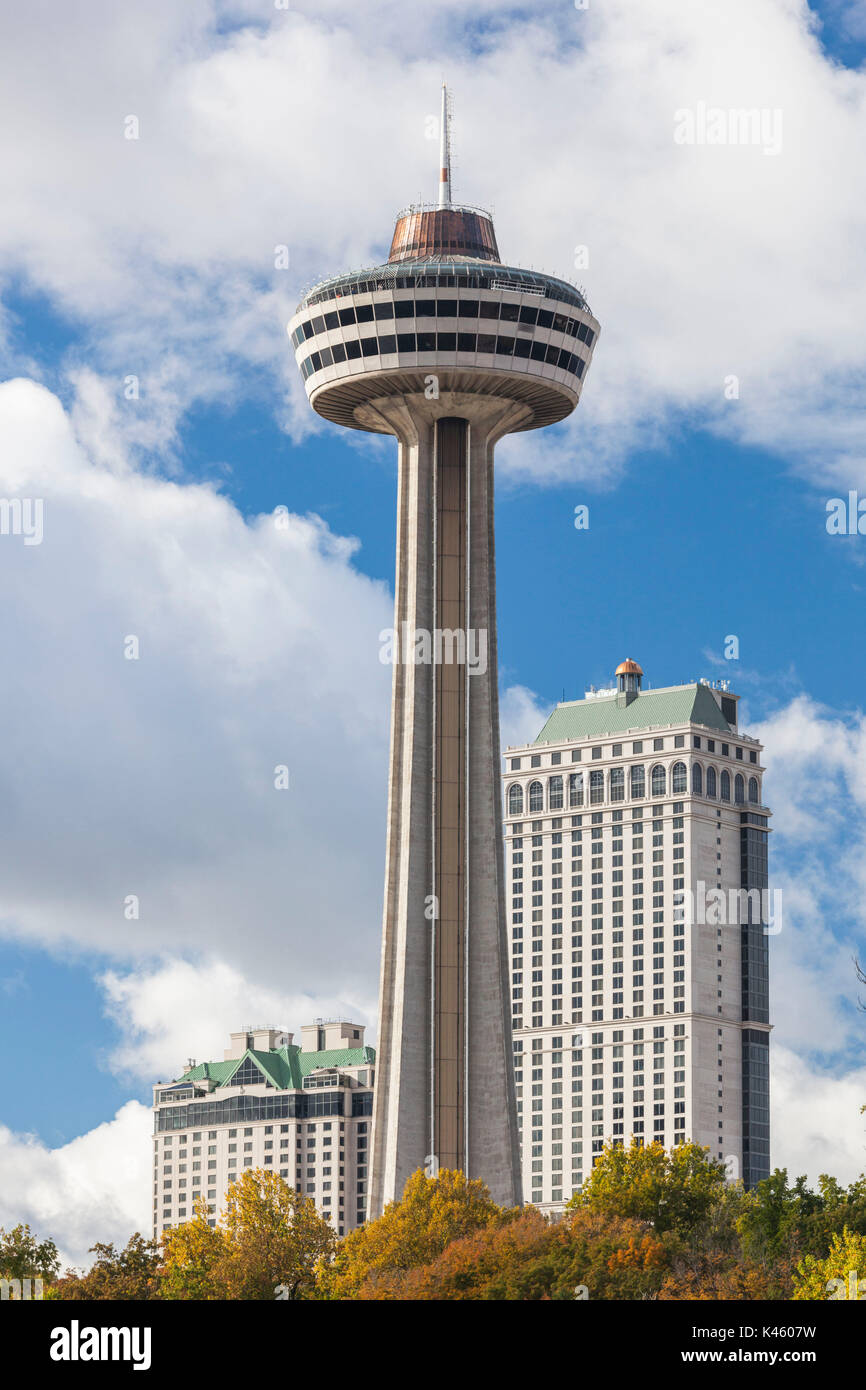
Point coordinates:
[(536, 797), (679, 779), (753, 790), (515, 800), (739, 789), (575, 789), (711, 781), (726, 786), (697, 780), (617, 784), (596, 788), (638, 783), (658, 781), (555, 794)]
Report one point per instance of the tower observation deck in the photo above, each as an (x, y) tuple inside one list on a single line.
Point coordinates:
[(448, 349)]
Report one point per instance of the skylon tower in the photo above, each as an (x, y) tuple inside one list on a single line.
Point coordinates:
[(447, 349)]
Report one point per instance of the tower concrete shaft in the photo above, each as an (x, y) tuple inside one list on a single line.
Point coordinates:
[(444, 1094)]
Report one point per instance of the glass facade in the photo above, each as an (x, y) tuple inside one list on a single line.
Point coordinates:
[(245, 1109), (756, 1106), (443, 275), (529, 316), (754, 954)]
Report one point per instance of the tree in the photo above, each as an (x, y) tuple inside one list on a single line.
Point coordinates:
[(672, 1191), (713, 1277), (530, 1259), (783, 1222), (841, 1275), (191, 1259), (274, 1238), (125, 1274), (431, 1213), (22, 1256)]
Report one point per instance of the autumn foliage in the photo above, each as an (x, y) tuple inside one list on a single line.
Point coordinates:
[(432, 1213), (529, 1258), (648, 1223)]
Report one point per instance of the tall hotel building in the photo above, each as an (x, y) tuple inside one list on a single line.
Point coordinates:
[(634, 1014), (304, 1112)]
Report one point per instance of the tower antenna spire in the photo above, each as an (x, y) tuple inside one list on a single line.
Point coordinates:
[(444, 154)]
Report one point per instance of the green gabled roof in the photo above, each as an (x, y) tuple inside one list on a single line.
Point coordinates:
[(337, 1057), (212, 1071), (679, 704), (275, 1067), (285, 1067)]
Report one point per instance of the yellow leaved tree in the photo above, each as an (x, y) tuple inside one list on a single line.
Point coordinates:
[(431, 1213), (841, 1274), (191, 1257), (275, 1239)]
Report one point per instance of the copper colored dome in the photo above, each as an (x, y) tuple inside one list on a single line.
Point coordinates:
[(628, 668), (423, 232)]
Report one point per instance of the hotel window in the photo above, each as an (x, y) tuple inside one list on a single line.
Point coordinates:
[(555, 794), (753, 789), (679, 779), (596, 788), (697, 779), (575, 789), (617, 784), (739, 789), (536, 797), (638, 783), (726, 786), (658, 780), (515, 800), (711, 782)]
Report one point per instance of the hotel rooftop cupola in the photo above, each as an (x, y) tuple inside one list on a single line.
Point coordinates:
[(628, 681)]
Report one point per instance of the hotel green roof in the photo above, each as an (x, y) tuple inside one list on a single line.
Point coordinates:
[(285, 1067), (601, 715)]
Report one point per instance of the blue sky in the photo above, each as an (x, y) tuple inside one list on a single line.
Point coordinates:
[(707, 516)]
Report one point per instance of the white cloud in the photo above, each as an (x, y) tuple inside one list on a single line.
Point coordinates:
[(155, 777), (177, 1007), (816, 786), (522, 715), (261, 127), (815, 1119), (96, 1188)]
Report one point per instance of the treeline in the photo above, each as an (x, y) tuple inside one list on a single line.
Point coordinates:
[(648, 1224)]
